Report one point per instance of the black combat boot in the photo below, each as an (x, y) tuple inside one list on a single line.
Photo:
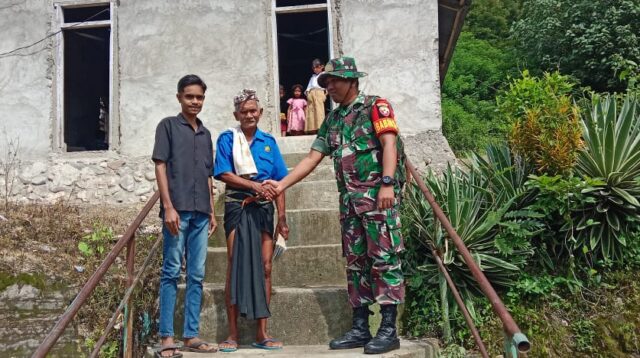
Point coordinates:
[(387, 338), (358, 335)]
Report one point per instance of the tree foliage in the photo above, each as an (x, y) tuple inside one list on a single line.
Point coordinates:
[(595, 41), (477, 71), (491, 20)]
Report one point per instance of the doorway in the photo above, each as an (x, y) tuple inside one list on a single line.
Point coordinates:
[(303, 34)]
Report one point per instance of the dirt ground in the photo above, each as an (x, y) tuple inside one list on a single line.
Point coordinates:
[(44, 238), (43, 241)]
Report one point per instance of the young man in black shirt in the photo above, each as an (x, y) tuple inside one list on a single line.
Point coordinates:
[(183, 156)]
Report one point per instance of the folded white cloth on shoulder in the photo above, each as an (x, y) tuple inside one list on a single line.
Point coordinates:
[(242, 158)]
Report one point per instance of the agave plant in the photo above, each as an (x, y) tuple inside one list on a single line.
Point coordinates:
[(611, 154), (505, 174), (481, 205)]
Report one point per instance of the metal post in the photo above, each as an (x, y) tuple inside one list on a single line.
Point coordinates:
[(125, 299), (460, 302), (128, 310)]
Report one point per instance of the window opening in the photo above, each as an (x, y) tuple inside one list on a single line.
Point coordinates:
[(303, 35), (280, 3), (87, 76), (91, 13)]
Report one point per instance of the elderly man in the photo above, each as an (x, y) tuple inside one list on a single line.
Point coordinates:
[(245, 157), (361, 136)]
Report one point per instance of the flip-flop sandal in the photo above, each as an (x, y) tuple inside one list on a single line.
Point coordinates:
[(195, 347), (228, 349), (263, 344), (170, 347)]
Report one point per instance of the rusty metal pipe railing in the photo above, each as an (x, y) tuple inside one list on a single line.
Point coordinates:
[(125, 299), (93, 281), (516, 338), (128, 309), (460, 302)]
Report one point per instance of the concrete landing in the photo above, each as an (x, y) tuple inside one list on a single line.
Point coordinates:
[(408, 349)]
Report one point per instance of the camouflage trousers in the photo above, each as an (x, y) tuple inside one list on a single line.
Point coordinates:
[(371, 243)]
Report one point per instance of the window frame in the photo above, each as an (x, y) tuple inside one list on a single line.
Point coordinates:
[(59, 144)]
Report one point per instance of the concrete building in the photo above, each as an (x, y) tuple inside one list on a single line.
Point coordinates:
[(83, 83)]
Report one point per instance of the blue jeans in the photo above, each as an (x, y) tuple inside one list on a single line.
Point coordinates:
[(191, 242)]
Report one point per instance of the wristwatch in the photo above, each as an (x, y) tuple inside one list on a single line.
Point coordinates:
[(387, 180)]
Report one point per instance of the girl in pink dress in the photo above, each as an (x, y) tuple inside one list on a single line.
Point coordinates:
[(295, 114)]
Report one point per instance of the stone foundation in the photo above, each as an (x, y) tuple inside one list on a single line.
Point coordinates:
[(107, 178)]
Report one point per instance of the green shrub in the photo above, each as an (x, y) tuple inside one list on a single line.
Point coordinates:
[(544, 121), (557, 200)]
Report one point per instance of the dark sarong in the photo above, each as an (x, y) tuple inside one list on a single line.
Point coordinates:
[(247, 284)]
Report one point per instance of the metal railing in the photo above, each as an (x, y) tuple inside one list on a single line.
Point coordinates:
[(127, 240), (516, 343)]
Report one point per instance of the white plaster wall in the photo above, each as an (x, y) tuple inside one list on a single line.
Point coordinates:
[(25, 77), (227, 43), (396, 43)]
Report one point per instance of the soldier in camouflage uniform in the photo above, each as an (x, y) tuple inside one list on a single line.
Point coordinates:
[(361, 136)]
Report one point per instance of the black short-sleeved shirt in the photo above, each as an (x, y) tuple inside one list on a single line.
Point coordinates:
[(189, 158)]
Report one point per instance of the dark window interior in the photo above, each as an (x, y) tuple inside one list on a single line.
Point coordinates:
[(86, 89), (280, 3), (92, 13), (301, 38)]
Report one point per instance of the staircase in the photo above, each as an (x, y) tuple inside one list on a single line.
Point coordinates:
[(309, 302)]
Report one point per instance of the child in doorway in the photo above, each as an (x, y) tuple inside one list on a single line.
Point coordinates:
[(295, 113), (283, 113), (316, 96)]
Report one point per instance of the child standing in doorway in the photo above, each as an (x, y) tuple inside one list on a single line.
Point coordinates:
[(316, 96), (295, 113)]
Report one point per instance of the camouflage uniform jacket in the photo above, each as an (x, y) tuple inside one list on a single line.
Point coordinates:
[(348, 136)]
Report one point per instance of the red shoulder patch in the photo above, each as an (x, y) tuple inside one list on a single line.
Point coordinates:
[(383, 118)]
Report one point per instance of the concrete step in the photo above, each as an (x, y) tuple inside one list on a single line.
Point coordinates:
[(299, 266), (306, 227), (296, 144), (321, 194), (313, 195), (299, 316), (427, 348)]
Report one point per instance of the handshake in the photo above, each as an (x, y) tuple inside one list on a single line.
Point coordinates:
[(268, 189)]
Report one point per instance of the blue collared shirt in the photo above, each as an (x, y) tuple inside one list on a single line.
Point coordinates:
[(264, 150)]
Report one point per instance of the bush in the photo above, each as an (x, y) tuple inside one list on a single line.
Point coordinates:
[(544, 121)]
